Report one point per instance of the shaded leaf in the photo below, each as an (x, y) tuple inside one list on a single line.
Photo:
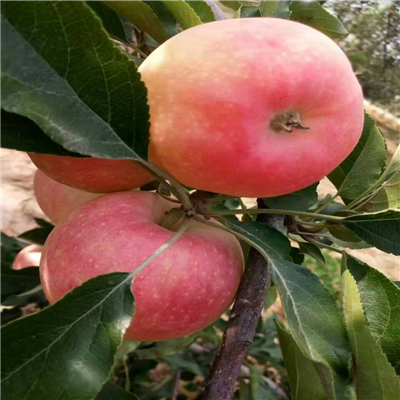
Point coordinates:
[(301, 200), (374, 376), (14, 282), (113, 392), (203, 10), (388, 192), (380, 300), (10, 247), (381, 229), (296, 256), (248, 12), (311, 13), (313, 316), (142, 16), (276, 9), (184, 361), (363, 166), (99, 110), (165, 16), (313, 251), (110, 19), (37, 235), (259, 389), (20, 133), (165, 349), (77, 336), (271, 241), (303, 377), (234, 5)]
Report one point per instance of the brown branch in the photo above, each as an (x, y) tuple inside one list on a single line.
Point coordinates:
[(220, 383)]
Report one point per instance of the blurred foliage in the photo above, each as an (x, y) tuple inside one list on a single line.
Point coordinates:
[(373, 46)]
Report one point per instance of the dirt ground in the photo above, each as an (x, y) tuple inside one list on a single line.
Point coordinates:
[(19, 206)]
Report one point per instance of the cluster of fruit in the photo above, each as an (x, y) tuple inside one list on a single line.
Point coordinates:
[(246, 107)]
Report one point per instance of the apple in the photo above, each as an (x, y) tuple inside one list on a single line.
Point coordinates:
[(180, 292), (255, 107), (57, 200), (95, 175), (29, 256)]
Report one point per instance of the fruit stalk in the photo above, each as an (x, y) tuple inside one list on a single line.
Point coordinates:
[(220, 383)]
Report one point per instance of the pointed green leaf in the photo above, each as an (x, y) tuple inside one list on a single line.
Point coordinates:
[(313, 14), (15, 282), (234, 5), (381, 229), (388, 192), (303, 377), (380, 300), (276, 9), (61, 70), (360, 170), (272, 242), (67, 350), (183, 13), (313, 251), (301, 200), (165, 16), (142, 16), (113, 392), (110, 19), (248, 12), (313, 315), (375, 378), (203, 10)]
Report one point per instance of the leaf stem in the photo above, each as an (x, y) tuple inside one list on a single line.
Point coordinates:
[(272, 211)]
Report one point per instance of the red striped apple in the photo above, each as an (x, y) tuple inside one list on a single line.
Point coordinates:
[(95, 175), (180, 292), (57, 200), (254, 107)]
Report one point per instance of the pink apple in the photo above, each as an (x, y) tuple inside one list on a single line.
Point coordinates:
[(29, 256), (181, 292), (96, 175), (57, 200), (229, 101)]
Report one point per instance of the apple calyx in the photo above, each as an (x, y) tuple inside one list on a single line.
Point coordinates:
[(286, 122)]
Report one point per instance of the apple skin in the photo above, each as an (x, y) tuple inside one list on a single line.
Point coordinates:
[(97, 175), (181, 292), (57, 200), (215, 91), (29, 256)]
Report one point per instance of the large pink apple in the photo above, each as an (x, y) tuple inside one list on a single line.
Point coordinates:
[(229, 101), (181, 292), (57, 200), (96, 175)]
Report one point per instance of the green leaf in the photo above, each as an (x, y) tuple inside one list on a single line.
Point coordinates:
[(388, 192), (363, 166), (341, 233), (37, 235), (183, 13), (142, 16), (10, 247), (380, 299), (22, 134), (165, 16), (113, 392), (234, 5), (67, 350), (248, 12), (381, 229), (203, 10), (165, 349), (296, 256), (183, 361), (259, 389), (272, 242), (311, 13), (276, 9), (303, 377), (313, 315), (301, 200), (14, 282), (99, 109), (374, 376), (110, 19), (313, 251)]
